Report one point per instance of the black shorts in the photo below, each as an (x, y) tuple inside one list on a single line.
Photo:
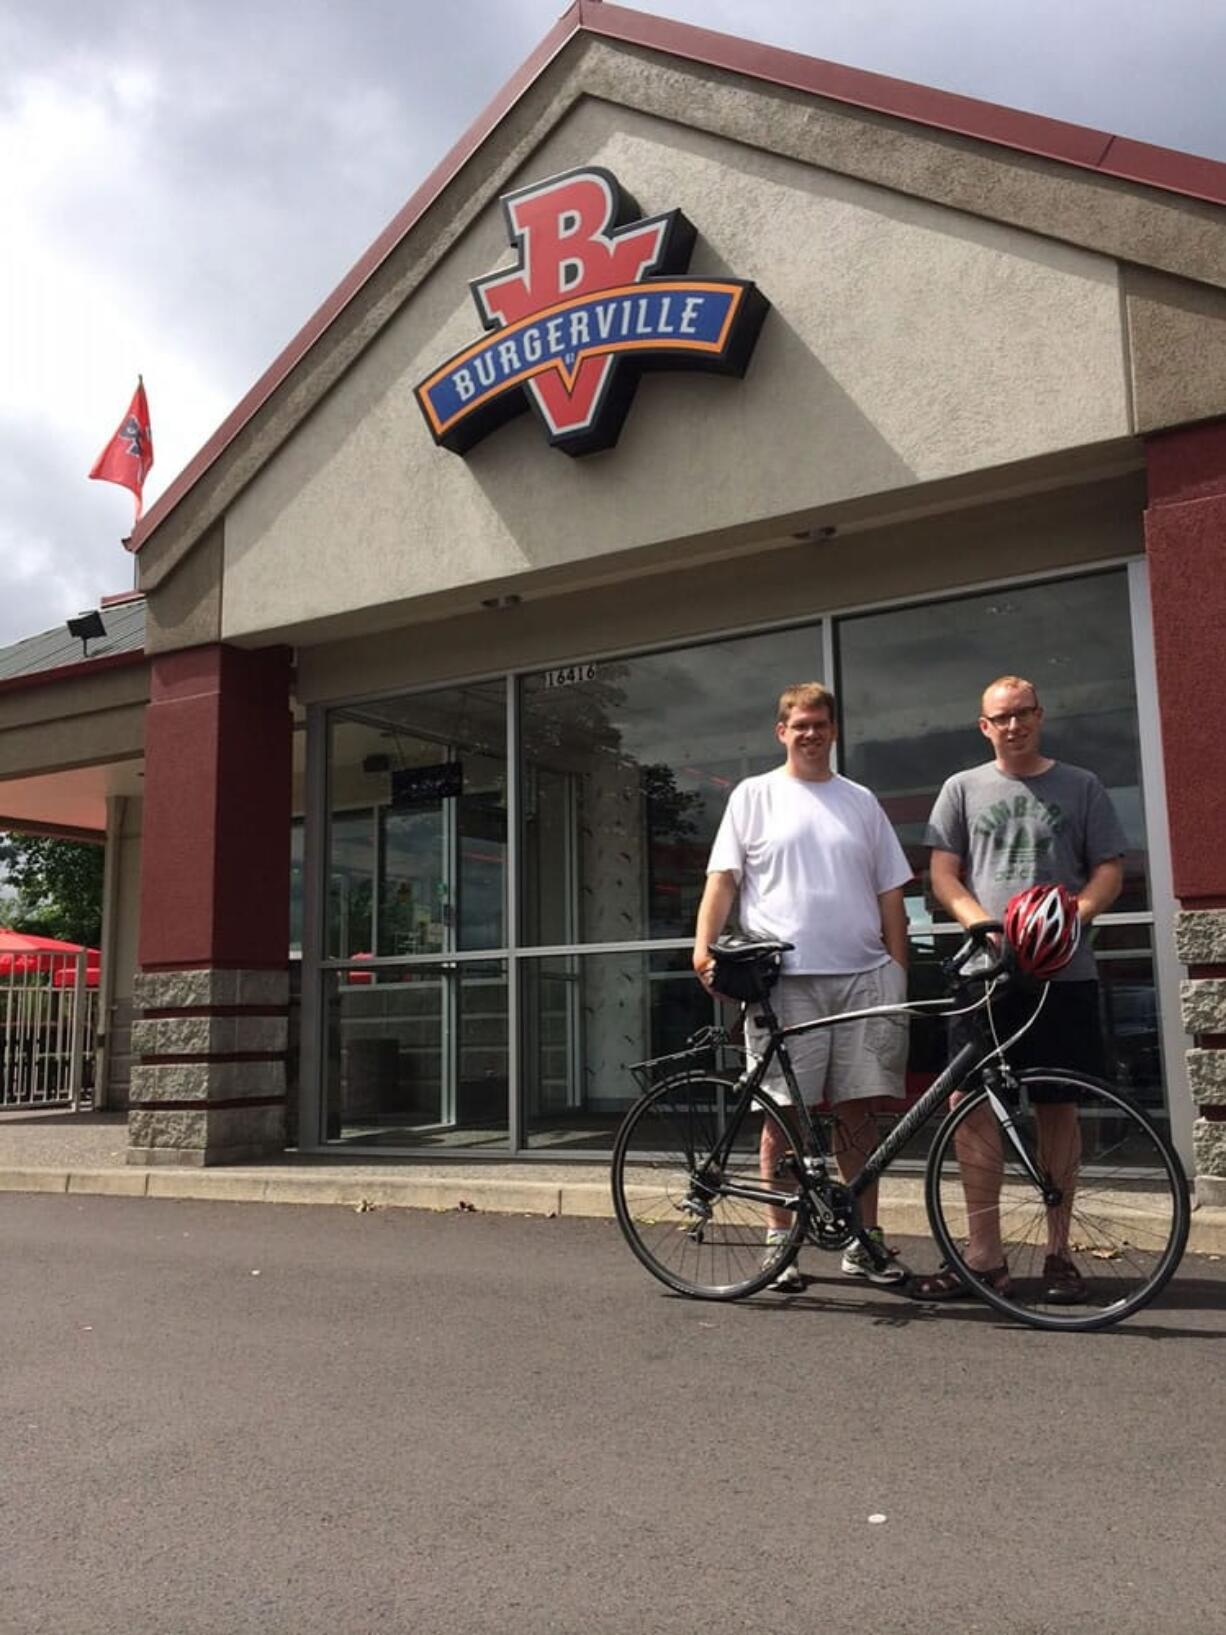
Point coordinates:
[(1068, 1032)]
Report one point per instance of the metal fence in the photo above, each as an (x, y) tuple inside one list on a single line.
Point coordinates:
[(48, 1023)]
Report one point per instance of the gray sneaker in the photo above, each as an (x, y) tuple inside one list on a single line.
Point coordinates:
[(857, 1262)]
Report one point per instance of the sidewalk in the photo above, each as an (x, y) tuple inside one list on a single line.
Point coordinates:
[(87, 1153)]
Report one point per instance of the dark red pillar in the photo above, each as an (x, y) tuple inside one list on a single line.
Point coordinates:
[(1185, 533), (212, 993)]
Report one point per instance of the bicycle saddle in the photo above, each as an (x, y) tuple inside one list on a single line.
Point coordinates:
[(744, 950)]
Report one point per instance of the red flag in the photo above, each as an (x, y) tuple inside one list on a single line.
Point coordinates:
[(128, 457)]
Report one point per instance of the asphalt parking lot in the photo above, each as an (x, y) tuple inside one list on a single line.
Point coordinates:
[(231, 1417)]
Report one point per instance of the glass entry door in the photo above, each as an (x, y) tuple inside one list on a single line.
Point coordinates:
[(415, 1017)]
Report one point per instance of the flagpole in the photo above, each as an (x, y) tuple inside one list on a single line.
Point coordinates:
[(140, 381)]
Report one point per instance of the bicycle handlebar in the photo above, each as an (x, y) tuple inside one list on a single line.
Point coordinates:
[(985, 938)]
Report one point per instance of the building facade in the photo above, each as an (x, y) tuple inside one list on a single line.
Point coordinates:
[(409, 786)]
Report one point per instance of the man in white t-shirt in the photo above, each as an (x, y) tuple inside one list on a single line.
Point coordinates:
[(809, 857)]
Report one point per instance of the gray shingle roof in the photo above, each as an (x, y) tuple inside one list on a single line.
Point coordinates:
[(125, 633)]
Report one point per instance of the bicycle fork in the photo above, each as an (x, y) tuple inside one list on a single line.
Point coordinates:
[(1004, 1118)]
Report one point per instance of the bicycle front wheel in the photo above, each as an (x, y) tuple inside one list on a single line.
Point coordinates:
[(689, 1193), (1111, 1199)]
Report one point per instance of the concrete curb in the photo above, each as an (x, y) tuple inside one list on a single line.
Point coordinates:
[(578, 1200), (288, 1187)]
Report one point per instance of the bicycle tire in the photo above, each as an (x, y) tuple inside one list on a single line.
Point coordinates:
[(1127, 1216), (685, 1228)]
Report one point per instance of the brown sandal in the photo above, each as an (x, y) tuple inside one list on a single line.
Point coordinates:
[(947, 1283)]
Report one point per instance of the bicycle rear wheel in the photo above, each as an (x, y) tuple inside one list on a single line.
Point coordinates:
[(678, 1205), (1116, 1203)]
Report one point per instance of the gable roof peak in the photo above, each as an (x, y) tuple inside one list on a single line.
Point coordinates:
[(1113, 157)]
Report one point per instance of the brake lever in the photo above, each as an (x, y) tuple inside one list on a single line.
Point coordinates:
[(978, 941)]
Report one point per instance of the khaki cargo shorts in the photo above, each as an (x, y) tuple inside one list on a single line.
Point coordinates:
[(848, 1060)]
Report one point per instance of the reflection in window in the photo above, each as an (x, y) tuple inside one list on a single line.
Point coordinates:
[(910, 682), (417, 1056), (417, 841), (586, 1019), (1130, 1012), (627, 767), (413, 899), (296, 842), (351, 878)]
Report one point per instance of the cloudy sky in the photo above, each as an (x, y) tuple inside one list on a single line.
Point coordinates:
[(182, 183)]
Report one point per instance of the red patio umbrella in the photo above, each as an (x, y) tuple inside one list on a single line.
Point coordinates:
[(22, 951), (66, 976)]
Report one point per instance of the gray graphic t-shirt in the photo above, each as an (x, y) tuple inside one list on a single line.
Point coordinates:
[(1015, 832)]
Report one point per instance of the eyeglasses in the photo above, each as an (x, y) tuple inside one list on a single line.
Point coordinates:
[(1023, 716)]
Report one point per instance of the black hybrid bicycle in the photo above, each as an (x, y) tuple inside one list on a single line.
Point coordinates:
[(691, 1199)]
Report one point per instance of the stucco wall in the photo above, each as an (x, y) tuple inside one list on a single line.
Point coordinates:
[(908, 344), (80, 722), (1040, 533)]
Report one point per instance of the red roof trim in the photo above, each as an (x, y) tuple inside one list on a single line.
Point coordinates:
[(71, 672), (1078, 145), (923, 105), (1165, 168)]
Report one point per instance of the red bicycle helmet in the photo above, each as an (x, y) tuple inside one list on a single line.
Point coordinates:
[(1043, 928)]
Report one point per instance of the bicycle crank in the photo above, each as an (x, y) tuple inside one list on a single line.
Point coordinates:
[(832, 1215)]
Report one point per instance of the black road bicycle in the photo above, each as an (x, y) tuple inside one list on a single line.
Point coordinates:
[(691, 1199)]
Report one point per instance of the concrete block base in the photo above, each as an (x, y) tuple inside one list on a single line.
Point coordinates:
[(210, 1087), (1200, 936), (1209, 1145)]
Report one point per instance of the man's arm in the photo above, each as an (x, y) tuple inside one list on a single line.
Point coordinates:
[(1101, 889), (945, 872), (894, 924), (718, 896)]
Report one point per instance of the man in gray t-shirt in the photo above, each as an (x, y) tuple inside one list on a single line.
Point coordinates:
[(1024, 820), (1009, 830)]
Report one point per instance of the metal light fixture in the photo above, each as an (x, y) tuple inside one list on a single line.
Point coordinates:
[(87, 627)]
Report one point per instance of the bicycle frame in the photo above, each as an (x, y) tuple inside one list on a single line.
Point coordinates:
[(969, 1061)]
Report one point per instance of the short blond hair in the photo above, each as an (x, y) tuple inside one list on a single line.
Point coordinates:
[(1006, 681), (805, 695)]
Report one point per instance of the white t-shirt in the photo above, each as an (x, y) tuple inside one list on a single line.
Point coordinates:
[(811, 860)]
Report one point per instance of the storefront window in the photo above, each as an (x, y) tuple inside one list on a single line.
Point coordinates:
[(296, 840), (417, 1056), (1130, 1011), (586, 1019), (624, 769), (910, 681), (351, 883), (417, 837), (627, 765)]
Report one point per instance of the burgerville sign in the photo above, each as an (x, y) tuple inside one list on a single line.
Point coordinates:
[(596, 296)]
